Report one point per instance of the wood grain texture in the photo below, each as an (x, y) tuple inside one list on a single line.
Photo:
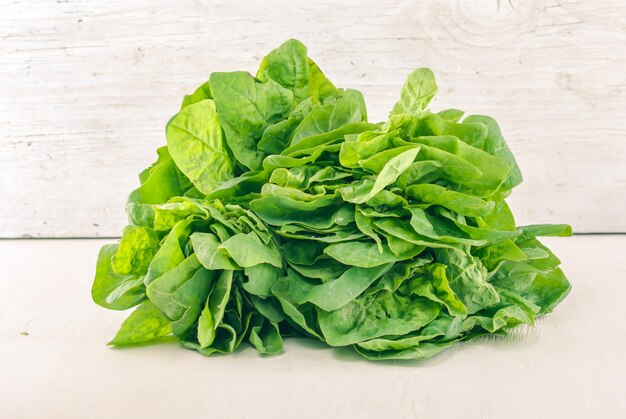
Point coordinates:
[(87, 86), (571, 365)]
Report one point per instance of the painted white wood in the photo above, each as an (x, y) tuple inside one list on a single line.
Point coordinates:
[(87, 86), (571, 365)]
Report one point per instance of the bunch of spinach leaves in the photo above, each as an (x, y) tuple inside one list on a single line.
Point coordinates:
[(276, 209)]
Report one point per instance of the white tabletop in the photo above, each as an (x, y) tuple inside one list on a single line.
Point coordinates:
[(54, 362)]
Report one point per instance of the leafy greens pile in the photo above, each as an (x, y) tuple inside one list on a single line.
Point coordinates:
[(276, 209)]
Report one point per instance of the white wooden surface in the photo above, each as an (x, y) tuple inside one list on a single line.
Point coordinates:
[(571, 365), (87, 86)]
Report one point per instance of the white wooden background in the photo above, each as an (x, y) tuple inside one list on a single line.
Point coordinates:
[(54, 363), (87, 86)]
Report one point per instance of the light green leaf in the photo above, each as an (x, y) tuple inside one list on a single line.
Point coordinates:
[(136, 250), (194, 139), (144, 324), (247, 250), (418, 90), (246, 107), (112, 290)]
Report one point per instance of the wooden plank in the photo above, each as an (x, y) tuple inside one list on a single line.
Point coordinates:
[(86, 89), (571, 365)]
